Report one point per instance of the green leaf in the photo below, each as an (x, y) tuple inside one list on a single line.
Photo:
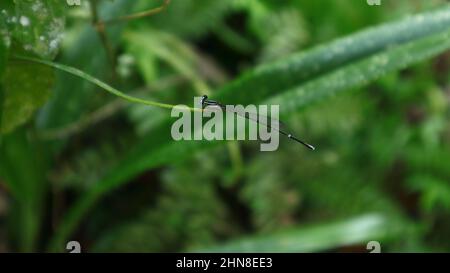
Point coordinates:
[(21, 168), (364, 56), (361, 72), (359, 230), (36, 25), (26, 88), (176, 53), (296, 69)]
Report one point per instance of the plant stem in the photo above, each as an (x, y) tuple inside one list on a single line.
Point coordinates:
[(99, 83), (99, 115), (236, 159), (135, 15), (101, 31)]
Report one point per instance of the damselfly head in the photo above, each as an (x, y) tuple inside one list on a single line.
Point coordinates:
[(202, 100)]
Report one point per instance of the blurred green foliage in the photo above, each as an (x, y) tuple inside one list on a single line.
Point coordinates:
[(90, 167)]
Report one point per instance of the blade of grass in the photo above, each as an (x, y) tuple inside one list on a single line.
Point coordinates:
[(22, 167), (315, 238), (294, 70), (360, 73)]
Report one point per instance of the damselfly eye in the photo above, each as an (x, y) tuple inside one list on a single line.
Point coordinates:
[(204, 97)]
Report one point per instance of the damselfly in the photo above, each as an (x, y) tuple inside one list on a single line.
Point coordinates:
[(271, 123)]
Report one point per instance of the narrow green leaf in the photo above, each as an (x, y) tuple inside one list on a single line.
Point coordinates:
[(21, 168), (275, 78), (322, 237), (361, 72), (166, 47)]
